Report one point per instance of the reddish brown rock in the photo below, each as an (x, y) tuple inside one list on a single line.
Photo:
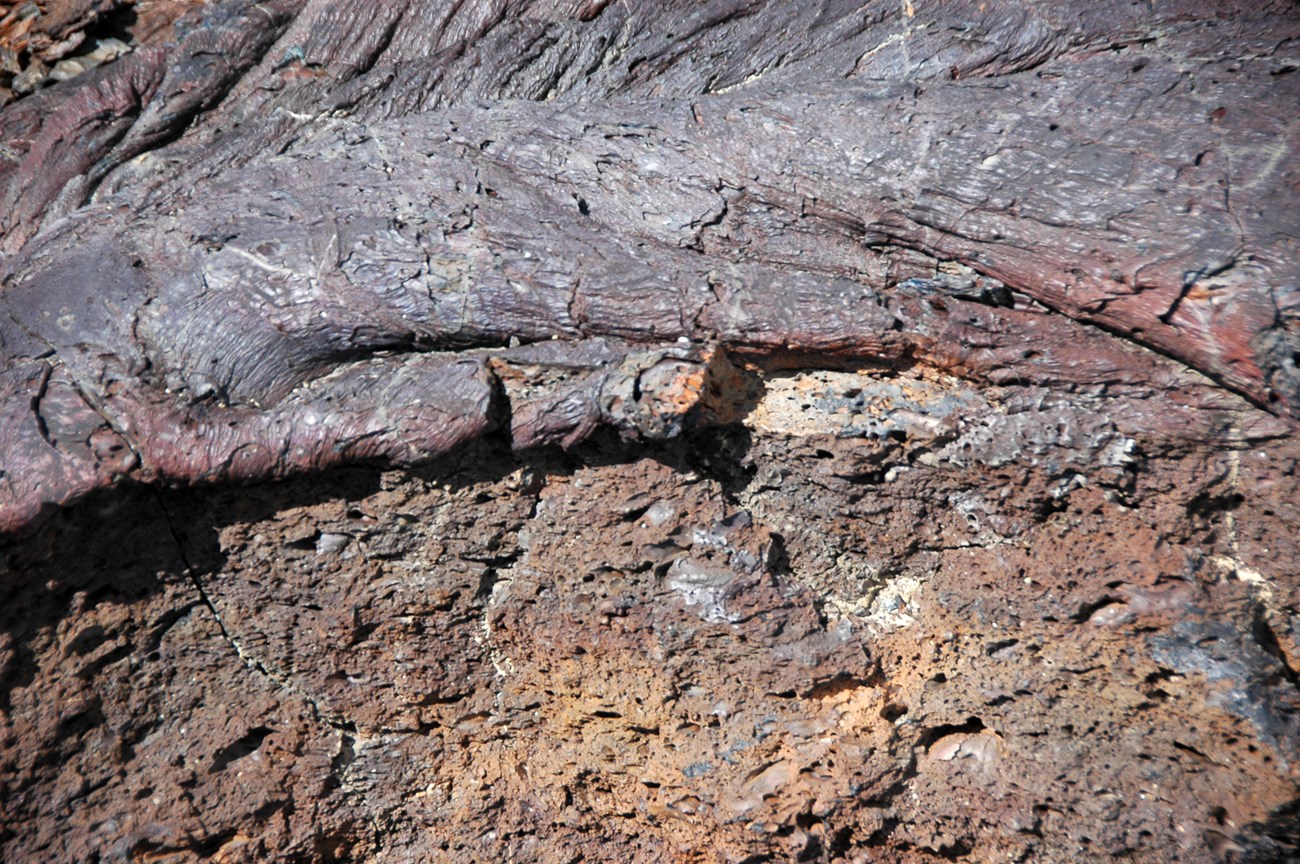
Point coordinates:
[(782, 637), (726, 432)]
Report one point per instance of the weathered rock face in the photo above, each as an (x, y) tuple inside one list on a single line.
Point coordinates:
[(785, 637), (702, 432)]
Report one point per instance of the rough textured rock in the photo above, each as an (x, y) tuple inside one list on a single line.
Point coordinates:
[(734, 431)]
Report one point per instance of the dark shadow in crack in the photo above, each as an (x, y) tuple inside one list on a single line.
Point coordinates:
[(128, 543)]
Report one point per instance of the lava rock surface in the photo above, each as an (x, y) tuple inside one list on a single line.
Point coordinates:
[(729, 431)]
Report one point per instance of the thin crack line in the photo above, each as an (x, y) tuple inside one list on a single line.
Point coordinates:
[(346, 728)]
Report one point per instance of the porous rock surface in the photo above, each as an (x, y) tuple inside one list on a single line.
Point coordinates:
[(734, 431)]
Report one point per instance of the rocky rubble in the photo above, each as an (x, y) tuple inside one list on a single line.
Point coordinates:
[(855, 630), (42, 44)]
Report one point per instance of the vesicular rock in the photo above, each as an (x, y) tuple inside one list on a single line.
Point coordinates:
[(726, 431)]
